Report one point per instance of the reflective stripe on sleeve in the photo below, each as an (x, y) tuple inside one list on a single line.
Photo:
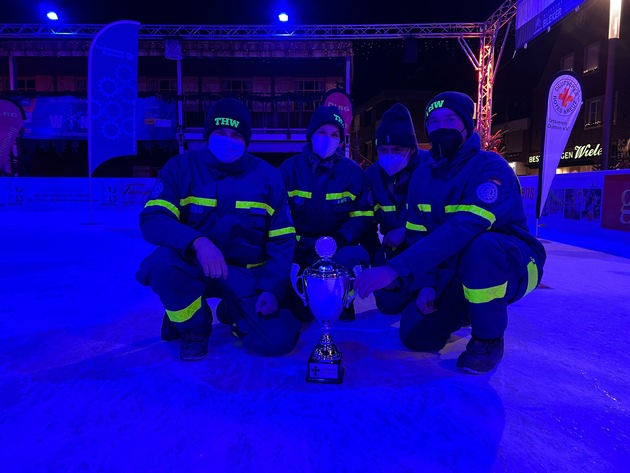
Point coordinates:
[(472, 209), (163, 203), (340, 195), (362, 213), (246, 204), (281, 231), (416, 228), (385, 208), (198, 201), (424, 207), (481, 296), (299, 193)]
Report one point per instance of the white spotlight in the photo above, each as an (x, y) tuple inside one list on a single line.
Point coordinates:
[(283, 17)]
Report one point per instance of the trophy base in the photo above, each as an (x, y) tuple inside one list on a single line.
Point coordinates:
[(325, 371)]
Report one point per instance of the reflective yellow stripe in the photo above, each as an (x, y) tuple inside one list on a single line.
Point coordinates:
[(417, 228), (472, 209), (255, 265), (532, 276), (424, 207), (184, 314), (364, 213), (385, 208), (305, 194), (481, 296), (163, 203), (246, 204), (281, 231), (198, 201), (340, 195)]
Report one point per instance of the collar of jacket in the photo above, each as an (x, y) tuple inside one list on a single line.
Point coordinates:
[(467, 150), (317, 163), (227, 169)]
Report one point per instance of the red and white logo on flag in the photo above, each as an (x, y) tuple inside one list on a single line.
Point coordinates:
[(566, 96)]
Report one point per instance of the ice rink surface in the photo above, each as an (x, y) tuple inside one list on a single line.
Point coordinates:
[(86, 384)]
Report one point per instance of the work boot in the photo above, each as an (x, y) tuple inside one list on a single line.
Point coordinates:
[(194, 346), (168, 332), (481, 355)]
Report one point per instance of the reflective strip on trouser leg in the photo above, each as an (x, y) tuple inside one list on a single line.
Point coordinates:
[(184, 314), (487, 294), (532, 276), (491, 270)]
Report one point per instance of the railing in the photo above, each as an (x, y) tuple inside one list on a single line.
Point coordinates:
[(283, 111)]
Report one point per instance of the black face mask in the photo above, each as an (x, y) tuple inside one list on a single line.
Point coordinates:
[(445, 142)]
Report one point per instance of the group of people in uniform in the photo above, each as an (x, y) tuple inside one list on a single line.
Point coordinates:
[(442, 233)]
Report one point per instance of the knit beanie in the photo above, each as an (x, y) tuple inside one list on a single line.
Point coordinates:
[(459, 103), (325, 115), (396, 128), (228, 113)]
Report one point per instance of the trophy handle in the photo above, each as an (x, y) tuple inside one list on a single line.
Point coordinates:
[(295, 268), (352, 294)]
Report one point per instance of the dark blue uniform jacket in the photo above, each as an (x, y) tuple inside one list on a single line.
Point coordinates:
[(388, 194), (328, 201), (452, 201), (241, 207)]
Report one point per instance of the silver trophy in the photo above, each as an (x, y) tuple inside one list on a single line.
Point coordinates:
[(326, 287)]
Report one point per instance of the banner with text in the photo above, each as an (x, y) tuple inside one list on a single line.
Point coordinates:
[(564, 101), (340, 99), (11, 119), (112, 92), (535, 16), (617, 202), (65, 118)]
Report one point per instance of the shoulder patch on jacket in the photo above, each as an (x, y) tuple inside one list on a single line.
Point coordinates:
[(488, 192), (158, 187)]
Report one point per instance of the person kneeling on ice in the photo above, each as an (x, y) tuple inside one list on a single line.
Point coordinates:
[(470, 252), (388, 178), (221, 220)]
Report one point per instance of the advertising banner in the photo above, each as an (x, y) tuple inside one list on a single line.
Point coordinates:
[(616, 202), (112, 92), (340, 99), (65, 118), (535, 16), (564, 101), (11, 119)]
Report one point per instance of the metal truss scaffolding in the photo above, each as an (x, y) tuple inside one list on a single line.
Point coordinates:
[(484, 61)]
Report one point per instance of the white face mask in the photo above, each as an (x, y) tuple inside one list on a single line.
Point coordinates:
[(323, 145), (393, 163), (225, 148)]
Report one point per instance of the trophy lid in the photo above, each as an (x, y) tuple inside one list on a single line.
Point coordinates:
[(326, 267)]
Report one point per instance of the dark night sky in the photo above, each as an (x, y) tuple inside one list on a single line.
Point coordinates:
[(378, 64)]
